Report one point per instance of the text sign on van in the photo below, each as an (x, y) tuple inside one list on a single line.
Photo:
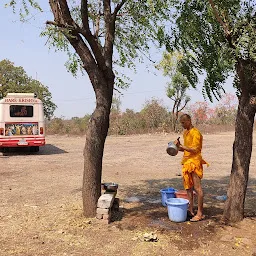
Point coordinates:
[(20, 100)]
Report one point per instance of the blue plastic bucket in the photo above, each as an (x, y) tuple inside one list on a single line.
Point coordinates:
[(177, 209), (167, 193)]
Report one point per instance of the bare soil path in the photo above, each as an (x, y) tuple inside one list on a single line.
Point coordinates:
[(41, 206)]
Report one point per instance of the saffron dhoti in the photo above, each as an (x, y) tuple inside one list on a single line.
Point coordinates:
[(192, 162)]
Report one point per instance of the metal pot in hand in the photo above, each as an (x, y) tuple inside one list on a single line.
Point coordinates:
[(172, 148)]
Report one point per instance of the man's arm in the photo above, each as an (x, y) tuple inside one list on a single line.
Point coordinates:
[(195, 145), (177, 143), (191, 150)]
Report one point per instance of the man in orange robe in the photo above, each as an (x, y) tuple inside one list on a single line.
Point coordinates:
[(192, 165)]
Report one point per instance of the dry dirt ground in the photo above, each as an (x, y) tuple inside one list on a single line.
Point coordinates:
[(41, 206)]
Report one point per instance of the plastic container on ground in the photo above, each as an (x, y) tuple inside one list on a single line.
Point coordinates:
[(177, 209), (167, 193), (183, 194), (221, 198)]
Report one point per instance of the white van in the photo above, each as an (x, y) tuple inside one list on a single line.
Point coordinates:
[(22, 122)]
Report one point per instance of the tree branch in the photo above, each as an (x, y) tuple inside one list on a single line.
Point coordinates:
[(118, 91), (118, 8), (225, 26), (84, 14), (109, 21), (219, 19), (97, 25), (92, 39), (63, 19), (183, 106), (48, 22), (109, 33)]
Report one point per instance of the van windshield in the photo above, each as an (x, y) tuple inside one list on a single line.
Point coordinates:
[(21, 111)]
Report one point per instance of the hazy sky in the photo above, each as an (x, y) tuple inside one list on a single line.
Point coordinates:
[(21, 44)]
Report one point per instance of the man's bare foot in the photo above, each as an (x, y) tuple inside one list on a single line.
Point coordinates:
[(197, 218)]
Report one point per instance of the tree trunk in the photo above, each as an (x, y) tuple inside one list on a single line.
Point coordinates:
[(173, 116), (242, 148), (97, 61), (94, 147), (176, 116)]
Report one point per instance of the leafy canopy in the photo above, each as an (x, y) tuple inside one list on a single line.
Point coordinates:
[(177, 87), (139, 25), (213, 35)]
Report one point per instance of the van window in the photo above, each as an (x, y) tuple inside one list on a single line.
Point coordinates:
[(21, 111)]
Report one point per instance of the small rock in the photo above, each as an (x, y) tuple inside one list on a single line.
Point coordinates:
[(227, 238), (106, 216), (105, 222), (99, 216), (246, 241), (150, 237)]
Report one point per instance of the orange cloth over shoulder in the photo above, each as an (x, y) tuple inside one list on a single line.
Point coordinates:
[(192, 162)]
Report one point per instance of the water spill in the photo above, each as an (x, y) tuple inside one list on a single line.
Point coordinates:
[(133, 199), (137, 199), (154, 201)]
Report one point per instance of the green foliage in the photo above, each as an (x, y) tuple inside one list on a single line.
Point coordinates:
[(74, 126), (170, 63), (154, 113), (176, 89), (24, 7), (14, 79), (154, 117), (211, 46), (126, 123), (139, 25)]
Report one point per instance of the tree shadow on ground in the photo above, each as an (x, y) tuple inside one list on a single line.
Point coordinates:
[(142, 209), (48, 149)]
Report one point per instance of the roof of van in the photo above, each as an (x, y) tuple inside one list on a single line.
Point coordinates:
[(19, 95)]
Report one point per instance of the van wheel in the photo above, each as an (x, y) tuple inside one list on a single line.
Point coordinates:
[(5, 150), (34, 149)]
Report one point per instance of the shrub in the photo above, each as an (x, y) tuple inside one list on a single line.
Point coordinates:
[(154, 117)]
